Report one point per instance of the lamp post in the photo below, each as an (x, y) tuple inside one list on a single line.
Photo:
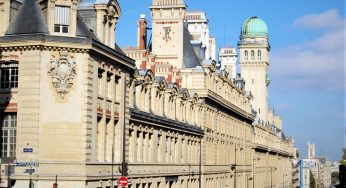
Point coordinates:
[(253, 170), (235, 165), (283, 180), (271, 175)]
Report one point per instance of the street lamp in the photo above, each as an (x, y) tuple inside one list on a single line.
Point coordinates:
[(283, 180), (253, 170), (271, 175)]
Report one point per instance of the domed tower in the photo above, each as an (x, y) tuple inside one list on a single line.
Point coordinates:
[(254, 61)]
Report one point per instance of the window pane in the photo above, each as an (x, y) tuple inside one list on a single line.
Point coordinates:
[(65, 29), (5, 121), (8, 135), (57, 28), (9, 75)]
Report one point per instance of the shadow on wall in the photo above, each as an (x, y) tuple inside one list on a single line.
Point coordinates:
[(8, 117)]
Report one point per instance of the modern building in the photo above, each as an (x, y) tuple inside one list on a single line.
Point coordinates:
[(77, 111), (309, 167), (319, 167)]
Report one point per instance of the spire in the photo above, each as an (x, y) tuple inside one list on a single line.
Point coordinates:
[(24, 24)]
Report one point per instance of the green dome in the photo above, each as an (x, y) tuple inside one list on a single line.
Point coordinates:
[(254, 27)]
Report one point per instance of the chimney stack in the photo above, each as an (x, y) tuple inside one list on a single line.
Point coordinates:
[(142, 32)]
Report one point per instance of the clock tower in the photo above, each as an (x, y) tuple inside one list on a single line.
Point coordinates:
[(168, 31)]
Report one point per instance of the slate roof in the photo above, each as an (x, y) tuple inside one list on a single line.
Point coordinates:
[(190, 59), (159, 79), (83, 30), (28, 21)]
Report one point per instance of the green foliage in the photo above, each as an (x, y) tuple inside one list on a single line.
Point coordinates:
[(312, 180), (335, 178), (343, 160)]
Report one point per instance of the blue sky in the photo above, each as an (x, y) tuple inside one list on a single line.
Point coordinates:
[(306, 65)]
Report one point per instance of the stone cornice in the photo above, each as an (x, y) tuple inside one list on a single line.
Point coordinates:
[(70, 44), (260, 147), (41, 42), (163, 122), (218, 100)]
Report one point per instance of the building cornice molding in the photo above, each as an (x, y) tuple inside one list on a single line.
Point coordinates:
[(70, 44), (216, 99), (148, 118)]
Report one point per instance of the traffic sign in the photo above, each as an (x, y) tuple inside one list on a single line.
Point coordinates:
[(123, 181)]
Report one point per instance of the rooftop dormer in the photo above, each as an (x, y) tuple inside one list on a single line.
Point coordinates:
[(8, 11), (60, 16), (68, 18), (101, 17)]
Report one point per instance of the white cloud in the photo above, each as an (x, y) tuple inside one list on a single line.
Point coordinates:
[(318, 63), (327, 19)]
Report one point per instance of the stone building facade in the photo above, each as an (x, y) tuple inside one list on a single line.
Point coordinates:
[(234, 117), (78, 111)]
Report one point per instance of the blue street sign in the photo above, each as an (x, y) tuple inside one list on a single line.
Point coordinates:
[(27, 150), (26, 164)]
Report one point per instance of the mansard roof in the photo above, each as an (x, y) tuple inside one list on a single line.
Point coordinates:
[(184, 92), (194, 96), (28, 21), (83, 30), (159, 79)]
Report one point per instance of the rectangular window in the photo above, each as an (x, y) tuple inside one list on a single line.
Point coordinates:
[(62, 19), (9, 75), (8, 135)]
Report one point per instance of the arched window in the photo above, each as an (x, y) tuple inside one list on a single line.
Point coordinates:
[(252, 54), (259, 54), (246, 54)]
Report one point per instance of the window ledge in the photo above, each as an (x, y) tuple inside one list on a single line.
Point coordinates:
[(8, 90)]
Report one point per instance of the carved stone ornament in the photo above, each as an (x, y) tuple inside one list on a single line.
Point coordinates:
[(167, 36), (63, 71), (111, 13)]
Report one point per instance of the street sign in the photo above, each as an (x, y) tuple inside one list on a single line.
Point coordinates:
[(29, 171), (123, 181), (26, 164), (27, 150)]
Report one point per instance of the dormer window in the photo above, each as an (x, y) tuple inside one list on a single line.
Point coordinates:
[(62, 19)]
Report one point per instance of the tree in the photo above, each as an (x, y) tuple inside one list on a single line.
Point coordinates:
[(343, 160), (335, 178), (312, 180)]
